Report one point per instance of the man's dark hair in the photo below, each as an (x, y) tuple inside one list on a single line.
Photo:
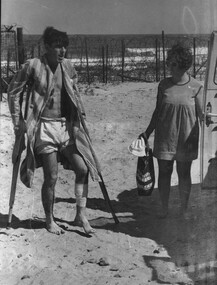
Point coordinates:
[(52, 35), (180, 54)]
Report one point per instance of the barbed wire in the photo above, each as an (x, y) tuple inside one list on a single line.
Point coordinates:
[(111, 58)]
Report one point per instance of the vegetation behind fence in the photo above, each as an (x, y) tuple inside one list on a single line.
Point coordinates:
[(107, 58)]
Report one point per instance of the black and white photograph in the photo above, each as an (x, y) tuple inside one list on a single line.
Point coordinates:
[(108, 142)]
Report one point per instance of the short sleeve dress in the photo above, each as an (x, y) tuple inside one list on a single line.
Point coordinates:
[(177, 124)]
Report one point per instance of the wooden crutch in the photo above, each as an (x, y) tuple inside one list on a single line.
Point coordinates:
[(101, 183), (19, 146)]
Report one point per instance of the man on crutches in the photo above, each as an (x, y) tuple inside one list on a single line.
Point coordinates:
[(55, 127)]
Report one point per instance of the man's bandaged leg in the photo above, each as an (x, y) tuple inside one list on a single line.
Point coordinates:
[(81, 191)]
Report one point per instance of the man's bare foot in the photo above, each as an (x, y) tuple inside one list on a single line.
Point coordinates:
[(81, 221), (53, 228)]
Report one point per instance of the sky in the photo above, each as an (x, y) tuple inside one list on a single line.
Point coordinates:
[(112, 16)]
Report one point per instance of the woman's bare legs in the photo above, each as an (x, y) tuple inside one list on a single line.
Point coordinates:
[(164, 180), (81, 186), (184, 175), (50, 168)]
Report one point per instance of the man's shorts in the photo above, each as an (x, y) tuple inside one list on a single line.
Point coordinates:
[(53, 135)]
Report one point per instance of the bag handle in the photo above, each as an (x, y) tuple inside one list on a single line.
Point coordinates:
[(147, 145), (143, 135)]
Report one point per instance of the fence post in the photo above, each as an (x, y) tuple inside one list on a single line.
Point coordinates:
[(103, 64), (33, 52), (163, 46), (86, 53), (8, 62), (1, 67), (156, 61), (123, 57), (106, 64), (20, 46), (194, 57), (1, 57), (39, 50), (81, 53)]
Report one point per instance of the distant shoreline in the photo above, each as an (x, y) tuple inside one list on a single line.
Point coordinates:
[(128, 35), (32, 39)]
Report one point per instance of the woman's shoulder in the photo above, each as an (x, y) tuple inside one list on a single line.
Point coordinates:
[(195, 83)]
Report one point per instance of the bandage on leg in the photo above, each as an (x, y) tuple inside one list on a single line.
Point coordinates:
[(81, 192)]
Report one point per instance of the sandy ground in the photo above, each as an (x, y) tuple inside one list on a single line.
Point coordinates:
[(141, 249)]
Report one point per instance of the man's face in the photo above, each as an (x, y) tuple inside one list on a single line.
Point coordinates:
[(56, 52)]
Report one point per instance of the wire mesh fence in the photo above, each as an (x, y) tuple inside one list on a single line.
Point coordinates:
[(128, 58), (108, 58), (9, 57)]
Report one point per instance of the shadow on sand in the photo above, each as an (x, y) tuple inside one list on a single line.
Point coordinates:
[(191, 243)]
